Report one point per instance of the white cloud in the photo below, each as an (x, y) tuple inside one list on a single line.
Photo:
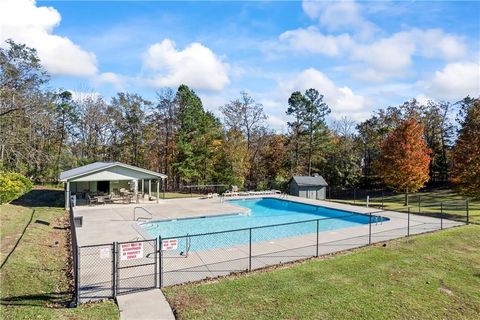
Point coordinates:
[(380, 59), (196, 65), (24, 22), (455, 81), (313, 41), (435, 43), (387, 54), (110, 78), (339, 15), (276, 123), (342, 100)]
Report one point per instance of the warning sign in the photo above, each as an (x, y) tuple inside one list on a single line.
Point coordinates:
[(131, 251), (105, 253), (170, 244)]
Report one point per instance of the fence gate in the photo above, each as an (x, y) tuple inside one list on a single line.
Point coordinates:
[(136, 266)]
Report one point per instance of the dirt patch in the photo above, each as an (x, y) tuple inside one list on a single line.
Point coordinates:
[(445, 290), (185, 301)]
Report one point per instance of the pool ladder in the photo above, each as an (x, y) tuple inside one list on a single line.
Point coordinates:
[(188, 242), (135, 218)]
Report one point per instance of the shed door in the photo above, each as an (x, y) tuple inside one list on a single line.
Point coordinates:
[(303, 193), (312, 193)]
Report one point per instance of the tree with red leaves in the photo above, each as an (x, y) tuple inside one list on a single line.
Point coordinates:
[(466, 154), (404, 158)]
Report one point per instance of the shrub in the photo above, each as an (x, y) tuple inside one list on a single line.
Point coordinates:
[(12, 186)]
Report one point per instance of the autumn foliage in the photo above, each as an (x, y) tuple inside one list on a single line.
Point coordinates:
[(405, 157), (466, 155)]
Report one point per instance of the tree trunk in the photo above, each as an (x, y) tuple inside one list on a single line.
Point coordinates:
[(406, 197)]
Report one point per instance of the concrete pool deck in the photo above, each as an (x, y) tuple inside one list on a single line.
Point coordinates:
[(109, 223), (114, 222)]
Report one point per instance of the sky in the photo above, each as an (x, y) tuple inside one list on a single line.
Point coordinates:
[(360, 55)]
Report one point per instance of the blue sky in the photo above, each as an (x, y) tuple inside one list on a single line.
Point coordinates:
[(360, 55)]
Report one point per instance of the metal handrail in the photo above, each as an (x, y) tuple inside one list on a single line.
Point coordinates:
[(135, 212)]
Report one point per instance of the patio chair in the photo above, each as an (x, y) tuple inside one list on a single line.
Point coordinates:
[(108, 199), (127, 198), (100, 200), (91, 200)]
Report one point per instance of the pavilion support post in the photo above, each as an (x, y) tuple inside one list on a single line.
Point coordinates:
[(143, 188), (67, 195), (135, 192), (158, 189), (149, 188)]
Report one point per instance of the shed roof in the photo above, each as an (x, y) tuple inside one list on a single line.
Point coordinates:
[(304, 181), (99, 166)]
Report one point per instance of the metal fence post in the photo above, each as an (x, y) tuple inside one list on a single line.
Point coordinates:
[(77, 278), (468, 215), (316, 252), (156, 262), (250, 250), (114, 268), (382, 200), (441, 215), (419, 204), (370, 229), (160, 264), (408, 219)]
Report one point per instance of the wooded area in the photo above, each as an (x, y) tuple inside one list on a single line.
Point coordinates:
[(47, 130)]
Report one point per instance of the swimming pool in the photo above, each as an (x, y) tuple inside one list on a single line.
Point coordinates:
[(292, 219)]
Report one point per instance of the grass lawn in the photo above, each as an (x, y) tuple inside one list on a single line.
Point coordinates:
[(434, 276), (34, 283), (453, 204), (175, 195)]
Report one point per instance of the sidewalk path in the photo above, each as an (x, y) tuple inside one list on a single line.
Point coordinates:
[(144, 305)]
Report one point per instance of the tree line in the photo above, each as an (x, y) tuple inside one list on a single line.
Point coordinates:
[(46, 130)]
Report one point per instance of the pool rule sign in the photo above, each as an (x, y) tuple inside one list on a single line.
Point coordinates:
[(131, 251), (170, 244)]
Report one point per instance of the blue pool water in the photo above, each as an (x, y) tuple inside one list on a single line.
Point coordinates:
[(263, 212)]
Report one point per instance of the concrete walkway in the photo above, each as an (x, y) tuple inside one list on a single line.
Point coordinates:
[(144, 305)]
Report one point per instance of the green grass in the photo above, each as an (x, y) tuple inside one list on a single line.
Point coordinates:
[(34, 282), (434, 276), (13, 221), (453, 204), (176, 195)]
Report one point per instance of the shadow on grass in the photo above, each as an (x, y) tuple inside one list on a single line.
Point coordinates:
[(41, 198), (50, 300)]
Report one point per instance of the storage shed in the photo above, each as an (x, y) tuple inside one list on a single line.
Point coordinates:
[(308, 187)]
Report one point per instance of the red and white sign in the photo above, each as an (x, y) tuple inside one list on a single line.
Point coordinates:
[(131, 251), (170, 244)]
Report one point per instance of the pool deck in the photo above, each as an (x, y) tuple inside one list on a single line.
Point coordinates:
[(109, 223), (114, 222)]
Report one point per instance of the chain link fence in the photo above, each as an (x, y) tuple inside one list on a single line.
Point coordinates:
[(436, 204), (107, 270)]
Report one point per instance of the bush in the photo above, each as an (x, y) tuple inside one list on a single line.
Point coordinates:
[(12, 186)]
